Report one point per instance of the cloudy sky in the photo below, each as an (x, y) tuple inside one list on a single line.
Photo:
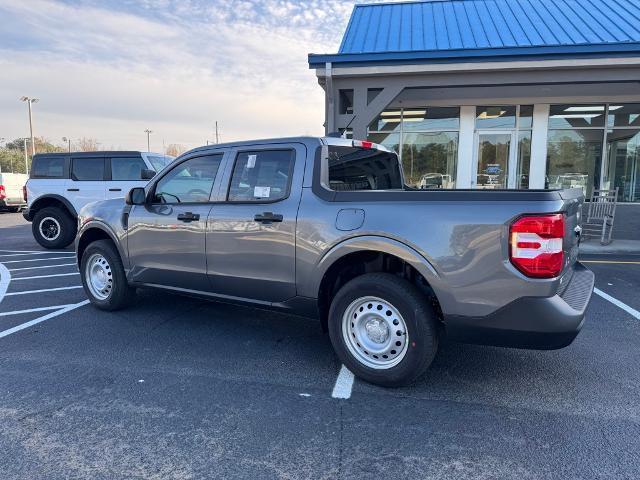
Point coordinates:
[(110, 69)]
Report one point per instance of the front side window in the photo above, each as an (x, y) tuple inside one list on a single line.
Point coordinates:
[(353, 169), (124, 168), (261, 176), (88, 169), (48, 167), (189, 182)]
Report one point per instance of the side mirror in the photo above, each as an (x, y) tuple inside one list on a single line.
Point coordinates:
[(136, 196), (147, 174)]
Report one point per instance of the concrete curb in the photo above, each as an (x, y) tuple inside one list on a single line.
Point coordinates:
[(593, 247)]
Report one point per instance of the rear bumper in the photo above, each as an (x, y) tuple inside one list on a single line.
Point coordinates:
[(12, 202), (530, 322)]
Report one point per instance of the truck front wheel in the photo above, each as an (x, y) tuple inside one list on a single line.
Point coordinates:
[(383, 329)]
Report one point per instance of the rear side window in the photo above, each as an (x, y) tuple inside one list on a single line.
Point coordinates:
[(352, 169), (261, 176), (48, 167), (87, 169), (127, 168)]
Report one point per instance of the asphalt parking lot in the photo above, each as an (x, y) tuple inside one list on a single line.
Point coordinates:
[(183, 388)]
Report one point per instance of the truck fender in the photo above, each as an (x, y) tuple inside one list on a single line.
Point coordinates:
[(96, 224), (382, 244), (34, 205)]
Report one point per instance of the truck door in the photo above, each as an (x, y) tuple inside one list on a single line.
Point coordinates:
[(251, 235), (87, 180), (125, 173), (166, 237)]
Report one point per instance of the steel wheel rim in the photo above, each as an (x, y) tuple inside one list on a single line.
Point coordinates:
[(375, 333), (49, 228), (99, 277)]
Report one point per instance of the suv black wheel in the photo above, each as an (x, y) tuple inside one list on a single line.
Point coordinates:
[(383, 329), (103, 277), (53, 227)]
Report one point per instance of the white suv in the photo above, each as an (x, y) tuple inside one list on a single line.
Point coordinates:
[(61, 184)]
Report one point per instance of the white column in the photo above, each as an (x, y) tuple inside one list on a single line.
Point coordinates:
[(465, 173), (538, 167)]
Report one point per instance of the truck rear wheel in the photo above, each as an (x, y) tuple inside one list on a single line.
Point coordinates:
[(383, 329), (52, 227), (103, 277)]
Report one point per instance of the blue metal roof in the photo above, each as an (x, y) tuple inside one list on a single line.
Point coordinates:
[(451, 30)]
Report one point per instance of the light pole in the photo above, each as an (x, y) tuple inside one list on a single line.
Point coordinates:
[(148, 132), (29, 101), (65, 139), (2, 141), (26, 157)]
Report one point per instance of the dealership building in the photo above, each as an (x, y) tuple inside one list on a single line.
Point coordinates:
[(494, 93)]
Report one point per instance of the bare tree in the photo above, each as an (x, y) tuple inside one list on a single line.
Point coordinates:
[(88, 144), (175, 149)]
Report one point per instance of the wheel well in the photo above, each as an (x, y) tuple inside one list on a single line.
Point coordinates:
[(358, 263), (50, 202), (88, 238)]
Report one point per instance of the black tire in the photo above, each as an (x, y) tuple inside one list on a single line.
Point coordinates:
[(416, 311), (119, 294), (58, 219)]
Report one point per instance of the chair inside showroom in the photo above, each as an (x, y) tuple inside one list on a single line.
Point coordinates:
[(600, 216)]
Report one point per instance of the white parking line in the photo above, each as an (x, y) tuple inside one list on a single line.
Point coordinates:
[(48, 316), (43, 290), (631, 311), (5, 278), (344, 384), (38, 260), (31, 310), (33, 251), (45, 266), (47, 276)]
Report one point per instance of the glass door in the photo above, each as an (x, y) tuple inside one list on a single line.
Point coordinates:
[(495, 159)]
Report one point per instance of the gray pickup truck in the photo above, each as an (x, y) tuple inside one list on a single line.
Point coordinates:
[(326, 227)]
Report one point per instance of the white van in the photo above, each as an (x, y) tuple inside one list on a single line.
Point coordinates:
[(11, 193), (61, 184)]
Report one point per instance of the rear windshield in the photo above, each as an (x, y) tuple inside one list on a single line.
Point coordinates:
[(353, 169)]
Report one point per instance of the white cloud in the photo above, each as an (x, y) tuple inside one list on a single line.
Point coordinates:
[(174, 67)]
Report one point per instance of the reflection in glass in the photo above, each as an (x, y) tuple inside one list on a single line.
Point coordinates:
[(496, 117), (524, 159), (621, 115), (576, 116), (624, 163), (432, 118), (389, 140), (573, 158), (493, 160), (429, 159), (388, 121)]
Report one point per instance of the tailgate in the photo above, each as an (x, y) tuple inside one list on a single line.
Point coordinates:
[(573, 203)]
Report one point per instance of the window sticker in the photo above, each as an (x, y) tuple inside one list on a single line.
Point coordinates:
[(261, 192), (251, 161)]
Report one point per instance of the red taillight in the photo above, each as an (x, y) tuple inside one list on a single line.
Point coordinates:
[(535, 245), (3, 194), (24, 192), (363, 144)]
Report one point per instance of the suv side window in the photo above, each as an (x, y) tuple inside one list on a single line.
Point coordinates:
[(188, 182), (49, 167), (87, 169), (127, 168), (261, 176)]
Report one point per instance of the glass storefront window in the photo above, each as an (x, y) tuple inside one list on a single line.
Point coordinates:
[(576, 116), (388, 121), (429, 159), (621, 115), (432, 118), (389, 140), (526, 117), (495, 117), (623, 147), (574, 158)]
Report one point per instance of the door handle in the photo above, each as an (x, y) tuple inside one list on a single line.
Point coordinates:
[(73, 189), (268, 217), (115, 189), (189, 217)]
